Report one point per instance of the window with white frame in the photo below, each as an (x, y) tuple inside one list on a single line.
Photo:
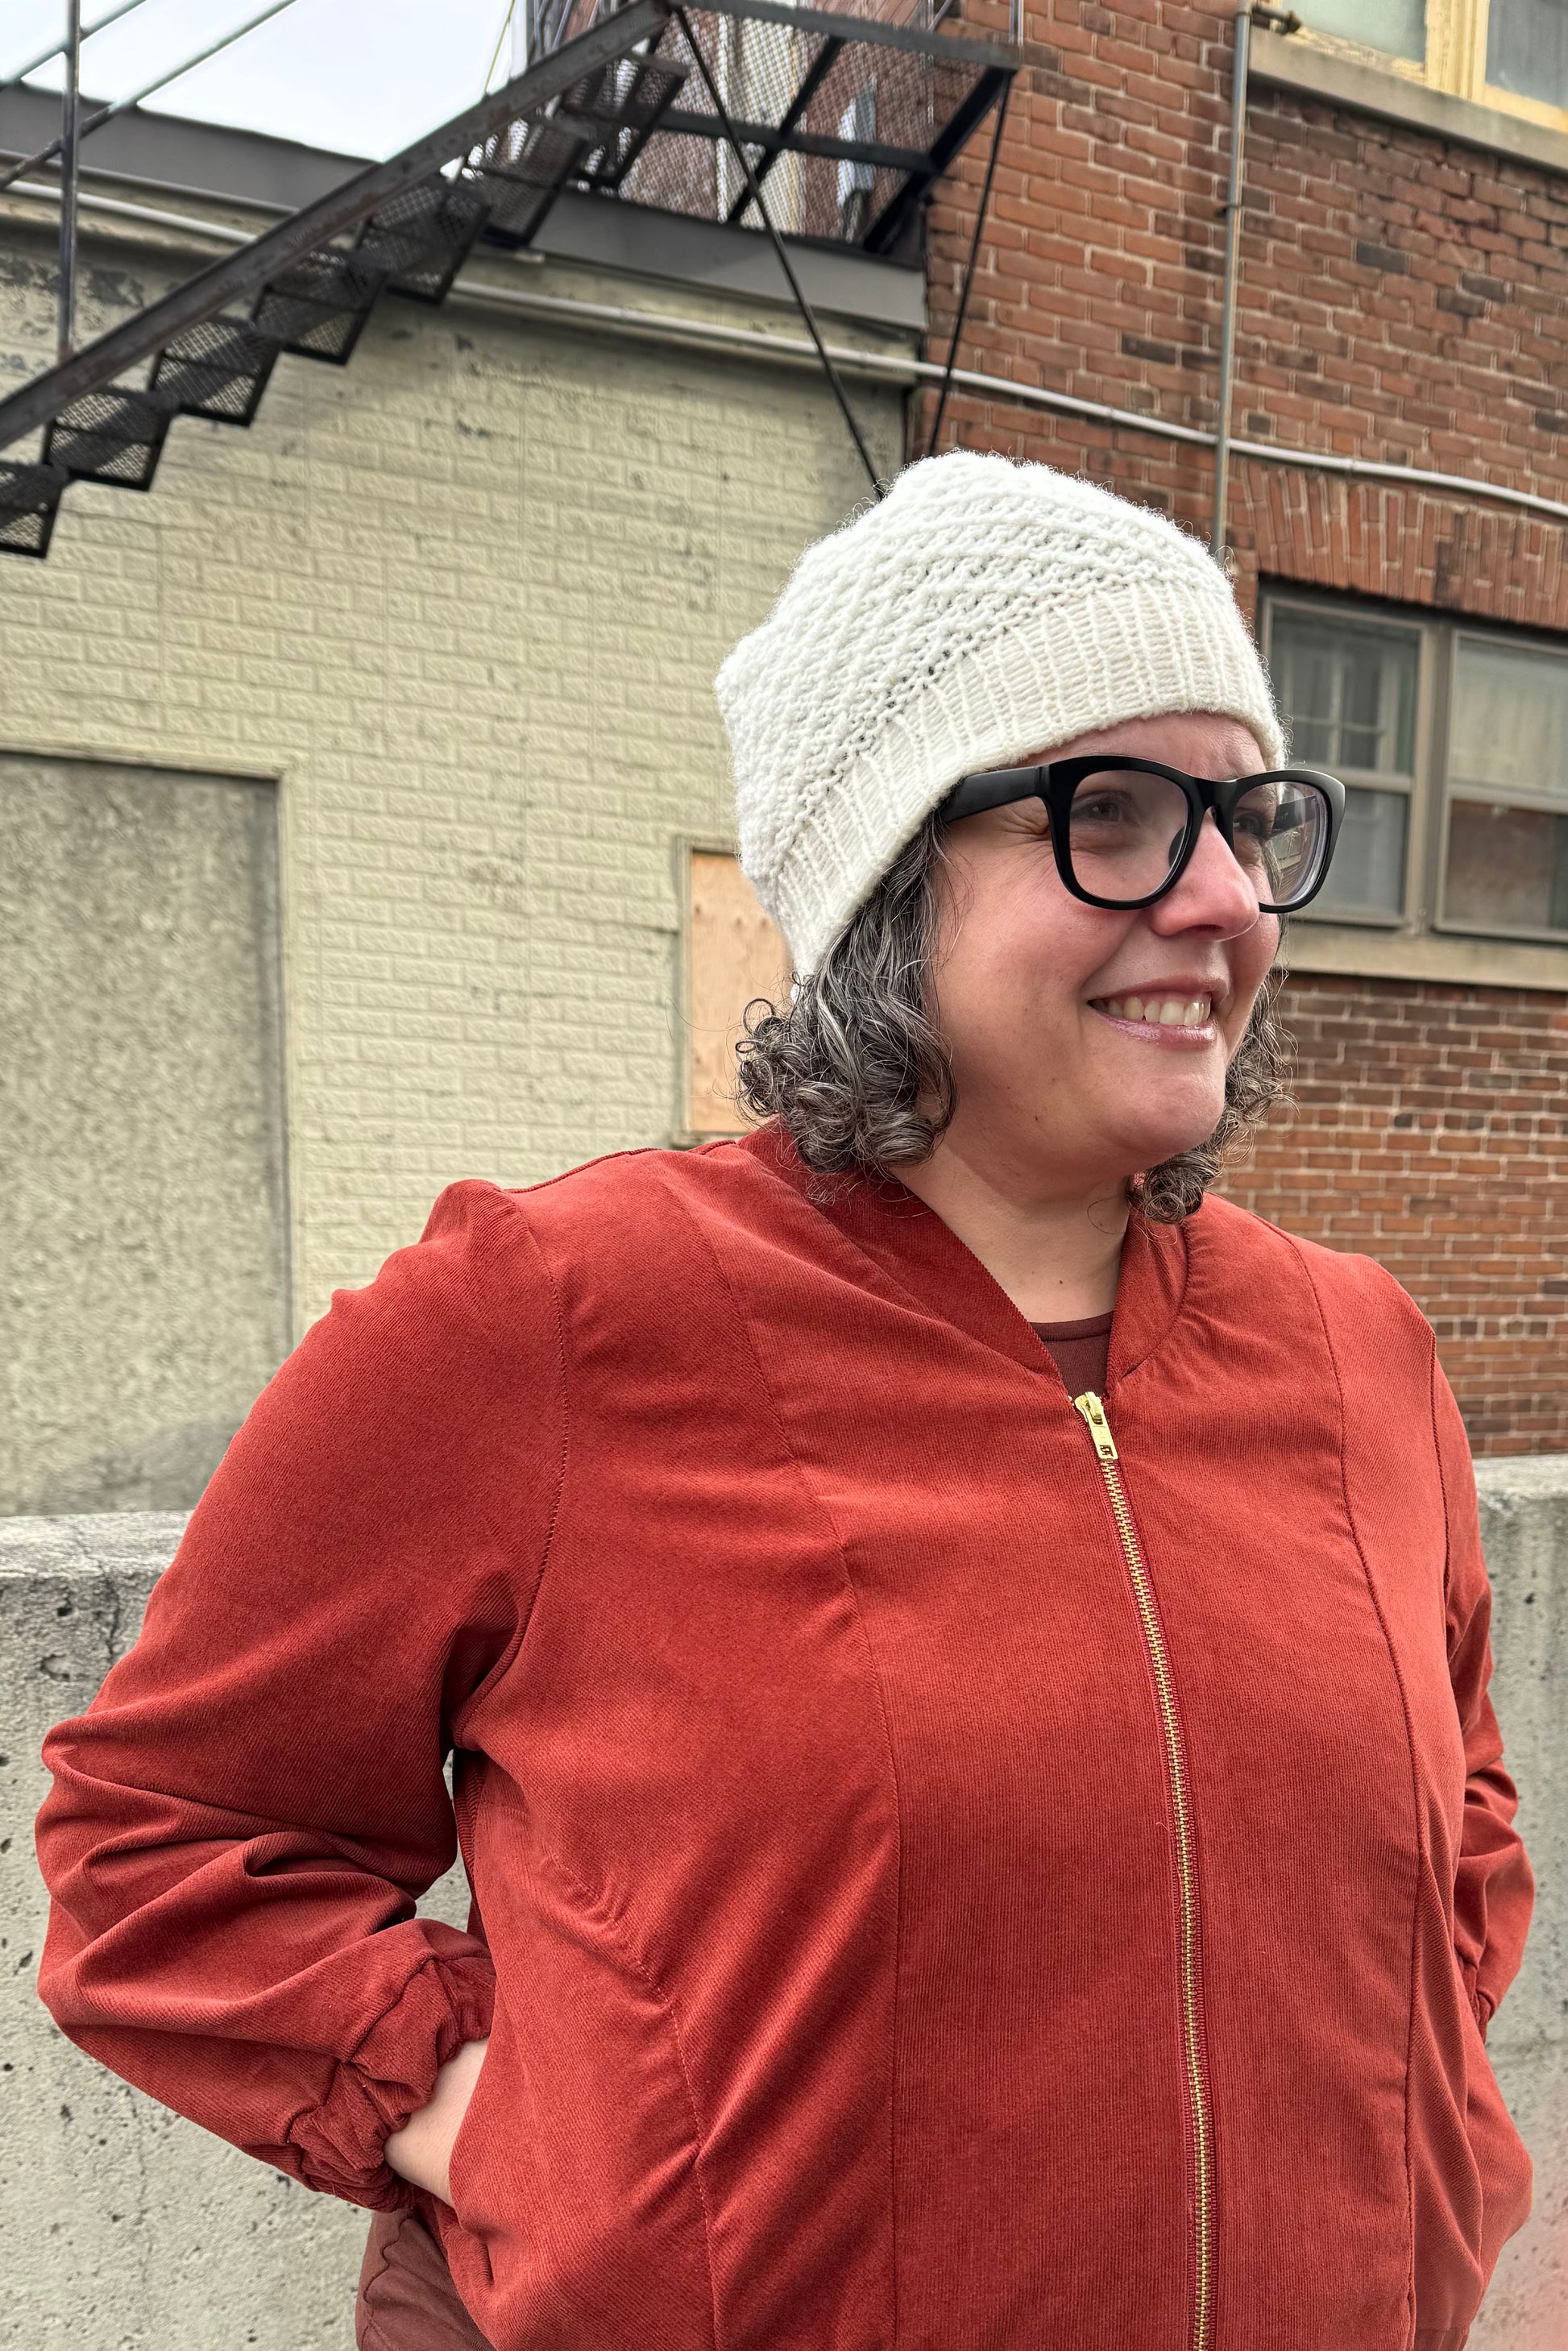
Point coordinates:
[(1453, 741)]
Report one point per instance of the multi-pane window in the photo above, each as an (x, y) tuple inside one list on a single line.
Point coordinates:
[(1511, 54), (1506, 860), (1348, 693), (1453, 741)]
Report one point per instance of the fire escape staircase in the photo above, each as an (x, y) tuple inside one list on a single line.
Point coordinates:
[(599, 113)]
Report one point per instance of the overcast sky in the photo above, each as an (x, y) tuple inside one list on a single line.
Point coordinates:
[(365, 77)]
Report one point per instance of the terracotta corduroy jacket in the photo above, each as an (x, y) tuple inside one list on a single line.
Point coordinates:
[(958, 1872)]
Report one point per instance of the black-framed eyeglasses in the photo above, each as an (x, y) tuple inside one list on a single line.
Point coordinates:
[(1124, 830)]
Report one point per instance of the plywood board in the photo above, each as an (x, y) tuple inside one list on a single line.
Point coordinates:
[(734, 954)]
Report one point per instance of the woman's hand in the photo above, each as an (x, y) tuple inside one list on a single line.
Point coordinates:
[(421, 2150)]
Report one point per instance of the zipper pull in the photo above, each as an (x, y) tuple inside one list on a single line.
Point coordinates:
[(1099, 1427)]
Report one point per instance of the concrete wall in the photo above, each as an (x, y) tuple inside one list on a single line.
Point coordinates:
[(125, 2229), (463, 599), (141, 1131)]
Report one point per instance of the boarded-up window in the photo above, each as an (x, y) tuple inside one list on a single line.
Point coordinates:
[(143, 1300), (735, 952)]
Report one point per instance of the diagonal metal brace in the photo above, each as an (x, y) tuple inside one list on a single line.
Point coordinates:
[(341, 208), (755, 190), (827, 58)]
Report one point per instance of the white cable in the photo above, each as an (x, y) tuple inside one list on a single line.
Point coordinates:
[(177, 73), (88, 31)]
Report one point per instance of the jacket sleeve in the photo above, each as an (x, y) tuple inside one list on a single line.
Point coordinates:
[(1494, 1887), (242, 1821)]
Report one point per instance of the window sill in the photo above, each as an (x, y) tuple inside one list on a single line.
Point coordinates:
[(1352, 953), (1285, 64)]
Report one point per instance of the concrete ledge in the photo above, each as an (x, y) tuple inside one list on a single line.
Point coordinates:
[(1286, 62), (123, 2227), (1359, 950)]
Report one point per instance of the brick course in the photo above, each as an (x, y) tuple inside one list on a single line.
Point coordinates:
[(1430, 1130), (1402, 299)]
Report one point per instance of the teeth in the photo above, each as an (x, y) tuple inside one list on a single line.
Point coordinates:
[(1162, 1012)]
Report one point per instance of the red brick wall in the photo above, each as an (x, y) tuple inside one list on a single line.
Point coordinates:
[(1430, 1132), (1400, 299)]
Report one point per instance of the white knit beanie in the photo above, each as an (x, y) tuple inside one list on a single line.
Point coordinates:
[(983, 611)]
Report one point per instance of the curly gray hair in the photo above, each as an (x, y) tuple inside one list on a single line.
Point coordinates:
[(857, 1072)]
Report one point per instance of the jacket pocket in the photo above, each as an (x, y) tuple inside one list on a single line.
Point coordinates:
[(574, 2172), (461, 2224), (469, 2130)]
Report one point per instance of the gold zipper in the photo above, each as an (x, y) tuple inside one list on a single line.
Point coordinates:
[(1099, 1427)]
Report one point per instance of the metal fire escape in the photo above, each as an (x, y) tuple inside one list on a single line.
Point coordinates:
[(846, 120)]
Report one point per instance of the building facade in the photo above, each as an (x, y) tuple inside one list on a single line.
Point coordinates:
[(1403, 267), (352, 783), (363, 803)]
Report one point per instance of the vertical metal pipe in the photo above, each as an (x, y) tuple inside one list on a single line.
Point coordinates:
[(69, 148), (1232, 265)]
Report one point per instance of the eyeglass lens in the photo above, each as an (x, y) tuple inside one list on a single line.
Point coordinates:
[(1127, 830)]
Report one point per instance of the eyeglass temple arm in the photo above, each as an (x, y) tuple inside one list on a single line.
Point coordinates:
[(992, 787)]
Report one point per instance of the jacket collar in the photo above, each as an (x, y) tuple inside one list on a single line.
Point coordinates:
[(910, 1245)]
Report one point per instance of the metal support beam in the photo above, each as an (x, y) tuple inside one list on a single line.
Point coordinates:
[(754, 194), (341, 209), (827, 58), (915, 39), (981, 211), (70, 115), (681, 122), (890, 222)]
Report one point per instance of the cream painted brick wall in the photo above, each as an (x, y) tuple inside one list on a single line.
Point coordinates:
[(465, 600)]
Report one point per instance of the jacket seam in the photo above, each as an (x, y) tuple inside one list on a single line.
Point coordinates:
[(480, 1697), (571, 1883), (875, 1671), (1410, 1750), (1470, 1971), (1442, 1480), (1177, 1310)]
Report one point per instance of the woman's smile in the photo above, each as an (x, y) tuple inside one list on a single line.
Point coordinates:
[(1177, 1014)]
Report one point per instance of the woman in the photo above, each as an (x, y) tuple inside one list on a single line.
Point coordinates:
[(965, 1660)]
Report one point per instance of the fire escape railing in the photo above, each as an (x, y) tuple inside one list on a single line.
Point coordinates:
[(849, 120)]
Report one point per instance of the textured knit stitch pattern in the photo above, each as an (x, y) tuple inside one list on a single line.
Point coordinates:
[(982, 612)]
